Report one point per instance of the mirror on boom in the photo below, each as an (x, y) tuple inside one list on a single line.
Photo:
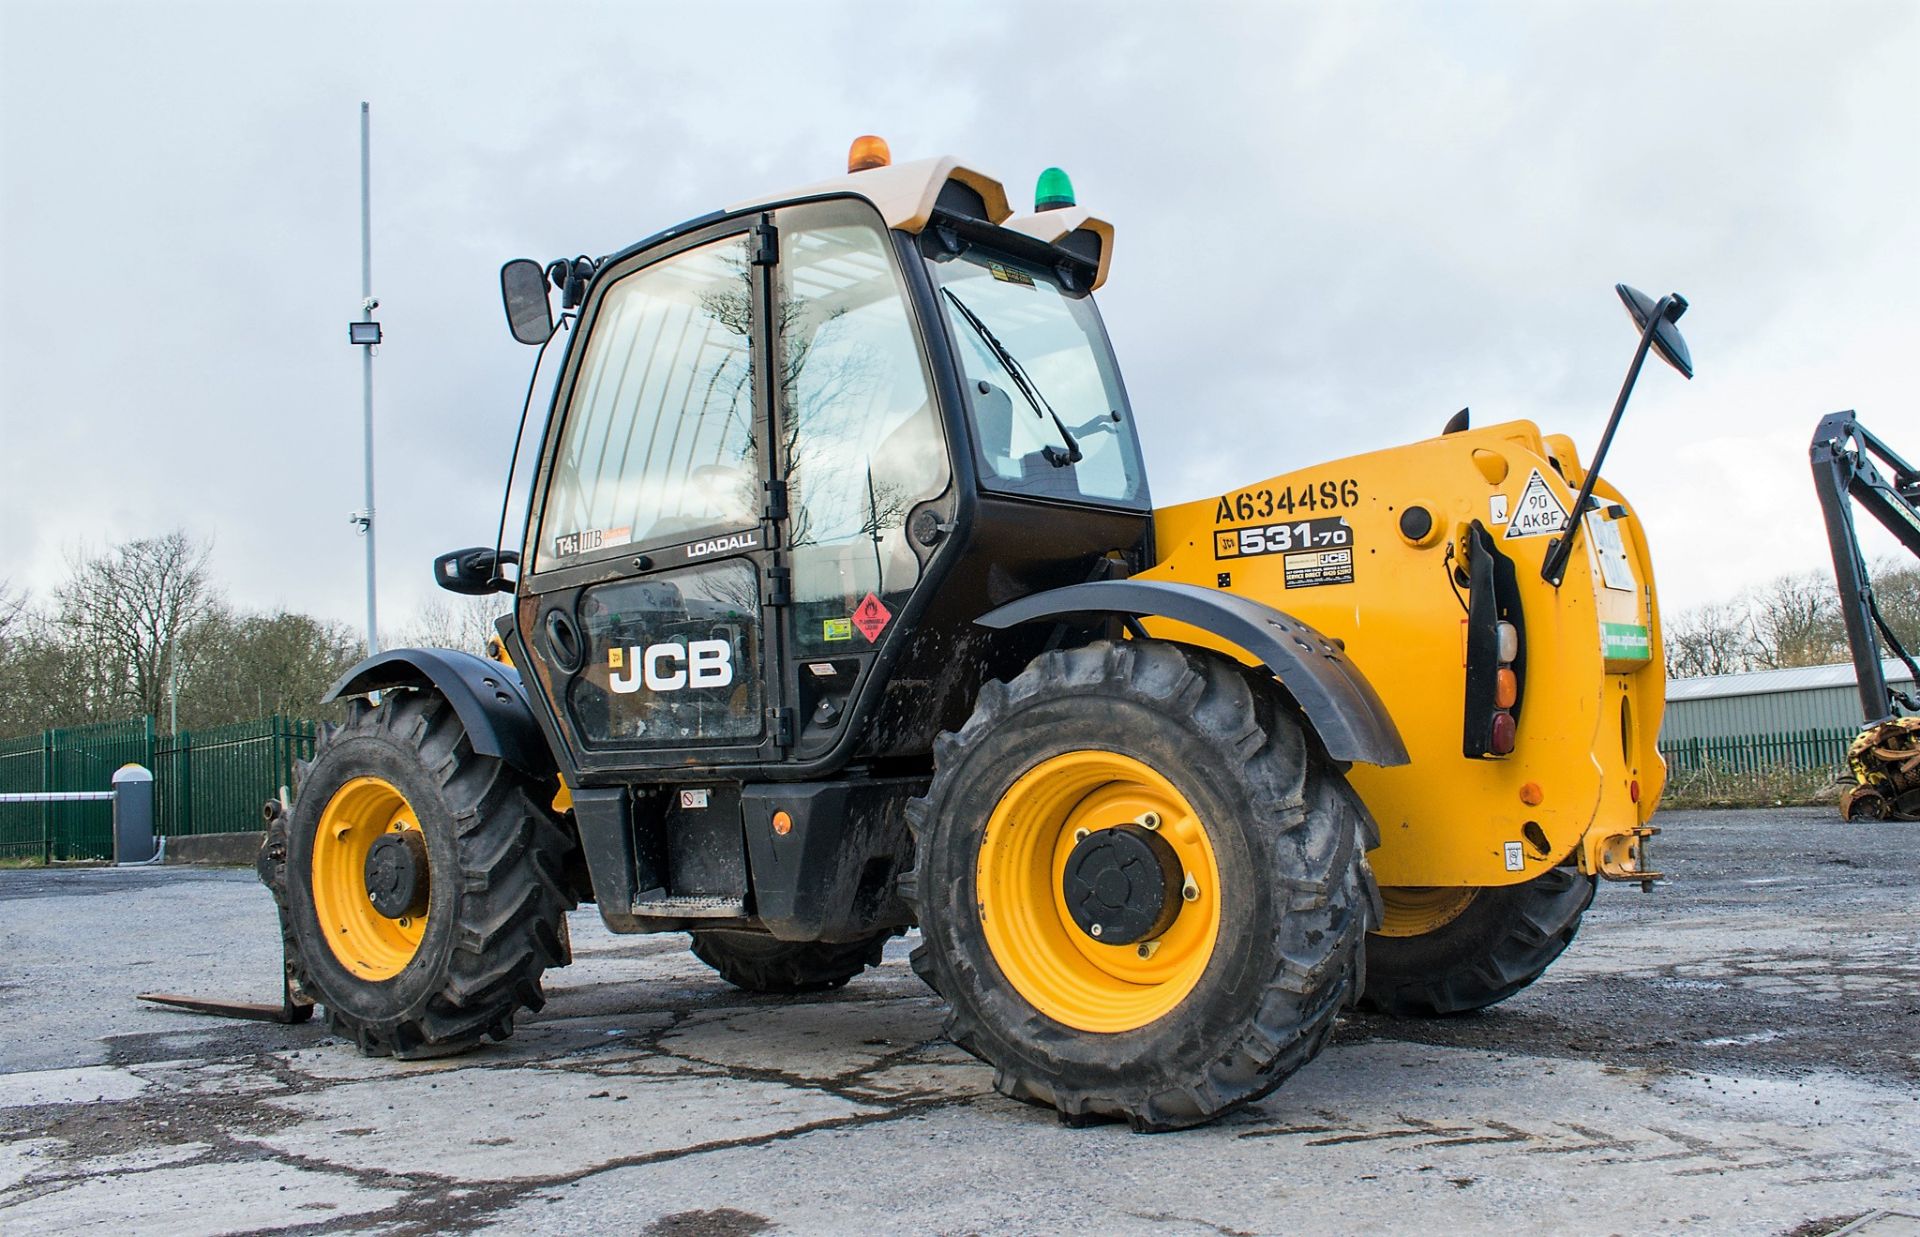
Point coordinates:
[(1657, 331)]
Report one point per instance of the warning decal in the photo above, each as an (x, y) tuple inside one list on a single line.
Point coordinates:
[(1538, 513), (871, 617)]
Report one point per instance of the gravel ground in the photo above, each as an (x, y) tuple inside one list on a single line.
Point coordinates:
[(1736, 1051)]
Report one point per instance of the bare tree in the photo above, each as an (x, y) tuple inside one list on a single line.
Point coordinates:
[(1796, 622), (13, 609), (132, 611), (245, 666), (1896, 589), (463, 623), (1712, 639)]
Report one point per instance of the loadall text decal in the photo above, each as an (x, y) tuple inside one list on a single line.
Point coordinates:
[(722, 545), (670, 667)]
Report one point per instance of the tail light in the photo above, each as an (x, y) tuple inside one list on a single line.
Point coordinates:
[(1495, 648)]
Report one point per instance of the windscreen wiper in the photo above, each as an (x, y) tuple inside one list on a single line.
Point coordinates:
[(1053, 455)]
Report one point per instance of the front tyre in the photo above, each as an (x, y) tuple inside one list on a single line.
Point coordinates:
[(424, 883), (1140, 893), (1448, 951)]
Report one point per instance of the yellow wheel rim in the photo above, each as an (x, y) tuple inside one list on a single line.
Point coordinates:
[(1415, 910), (365, 941), (1066, 974)]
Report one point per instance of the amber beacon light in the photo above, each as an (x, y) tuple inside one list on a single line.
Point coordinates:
[(868, 152)]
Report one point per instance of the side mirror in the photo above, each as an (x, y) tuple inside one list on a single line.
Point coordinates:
[(1666, 336), (523, 287), (474, 572)]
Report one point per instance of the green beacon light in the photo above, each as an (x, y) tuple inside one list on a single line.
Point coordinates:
[(1053, 191)]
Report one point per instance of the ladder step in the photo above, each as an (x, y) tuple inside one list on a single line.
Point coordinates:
[(691, 907)]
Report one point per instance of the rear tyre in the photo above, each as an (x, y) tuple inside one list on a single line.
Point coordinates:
[(423, 883), (1448, 951), (1262, 847), (760, 963)]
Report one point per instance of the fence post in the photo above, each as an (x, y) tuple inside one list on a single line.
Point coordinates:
[(183, 781), (46, 785)]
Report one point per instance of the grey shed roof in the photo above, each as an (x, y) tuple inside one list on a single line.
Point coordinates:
[(1760, 682)]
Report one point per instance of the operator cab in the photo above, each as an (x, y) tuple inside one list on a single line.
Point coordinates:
[(795, 448)]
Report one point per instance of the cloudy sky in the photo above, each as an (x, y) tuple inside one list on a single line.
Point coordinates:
[(1336, 225)]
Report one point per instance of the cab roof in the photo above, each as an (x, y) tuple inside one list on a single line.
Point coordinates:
[(906, 194)]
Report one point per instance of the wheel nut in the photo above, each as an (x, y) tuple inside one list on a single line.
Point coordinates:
[(1095, 930), (1079, 835), (1148, 820)]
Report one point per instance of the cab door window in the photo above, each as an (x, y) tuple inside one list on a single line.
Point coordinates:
[(658, 445), (857, 426)]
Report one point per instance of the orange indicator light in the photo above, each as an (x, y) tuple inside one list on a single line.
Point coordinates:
[(1531, 794), (1506, 689), (782, 823)]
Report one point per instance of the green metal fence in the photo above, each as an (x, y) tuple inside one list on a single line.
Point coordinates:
[(214, 781), (1762, 766), (206, 781), (81, 758)]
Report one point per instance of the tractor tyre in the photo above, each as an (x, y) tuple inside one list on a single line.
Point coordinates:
[(760, 963), (1449, 951), (424, 883), (1142, 894)]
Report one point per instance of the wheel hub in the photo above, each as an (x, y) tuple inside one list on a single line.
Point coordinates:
[(396, 873), (1123, 885)]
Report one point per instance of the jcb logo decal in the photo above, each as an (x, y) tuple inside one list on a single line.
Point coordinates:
[(670, 667)]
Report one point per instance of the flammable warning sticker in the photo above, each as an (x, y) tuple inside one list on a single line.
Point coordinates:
[(1538, 513), (1317, 567)]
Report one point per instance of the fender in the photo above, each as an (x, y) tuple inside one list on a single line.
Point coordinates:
[(1340, 704), (487, 696)]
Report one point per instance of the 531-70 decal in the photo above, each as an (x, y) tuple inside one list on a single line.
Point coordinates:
[(1329, 533)]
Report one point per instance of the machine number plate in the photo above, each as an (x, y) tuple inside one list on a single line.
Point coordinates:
[(1316, 567), (1332, 533)]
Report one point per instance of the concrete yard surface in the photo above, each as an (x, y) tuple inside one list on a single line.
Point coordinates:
[(1738, 1051)]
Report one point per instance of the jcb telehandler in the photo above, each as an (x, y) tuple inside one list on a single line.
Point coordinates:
[(841, 608)]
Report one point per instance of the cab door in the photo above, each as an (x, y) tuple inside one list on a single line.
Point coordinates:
[(646, 599), (861, 456)]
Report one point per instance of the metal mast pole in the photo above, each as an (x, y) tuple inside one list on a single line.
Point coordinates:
[(366, 368)]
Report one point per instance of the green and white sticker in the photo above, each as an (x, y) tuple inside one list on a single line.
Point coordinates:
[(1625, 641), (836, 629)]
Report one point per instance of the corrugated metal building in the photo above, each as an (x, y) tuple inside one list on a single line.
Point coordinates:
[(1768, 702)]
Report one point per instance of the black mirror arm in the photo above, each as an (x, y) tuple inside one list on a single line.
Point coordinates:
[(1554, 568), (500, 557)]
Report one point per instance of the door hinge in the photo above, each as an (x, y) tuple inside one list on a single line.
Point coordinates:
[(778, 586), (766, 242), (782, 725), (776, 500)]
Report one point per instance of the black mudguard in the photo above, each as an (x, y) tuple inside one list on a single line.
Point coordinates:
[(487, 696), (1340, 704)]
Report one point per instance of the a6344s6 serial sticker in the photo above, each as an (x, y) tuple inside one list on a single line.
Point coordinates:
[(1316, 551)]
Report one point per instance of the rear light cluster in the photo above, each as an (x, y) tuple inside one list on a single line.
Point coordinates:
[(1506, 689)]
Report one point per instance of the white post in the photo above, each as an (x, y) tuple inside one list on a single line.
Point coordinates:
[(366, 368)]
